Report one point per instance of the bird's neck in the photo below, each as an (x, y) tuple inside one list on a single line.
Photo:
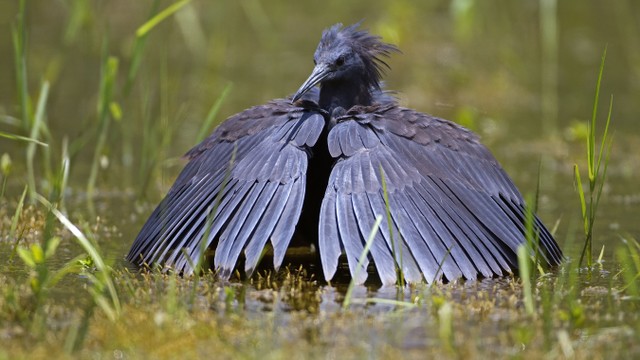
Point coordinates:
[(344, 94)]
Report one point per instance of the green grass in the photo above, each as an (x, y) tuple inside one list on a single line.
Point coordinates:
[(21, 138), (61, 296), (245, 319), (360, 266), (16, 217), (138, 50), (5, 170), (629, 258), (525, 269), (207, 125), (109, 71), (37, 126), (19, 37), (596, 170), (396, 247), (162, 15), (30, 309)]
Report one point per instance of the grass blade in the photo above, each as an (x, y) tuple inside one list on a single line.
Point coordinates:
[(591, 139), (109, 71), (19, 37), (35, 132), (439, 269), (583, 202), (16, 215), (89, 248), (138, 50), (396, 250), (524, 266), (170, 10), (605, 135), (22, 138), (596, 177), (211, 116), (583, 209), (363, 256)]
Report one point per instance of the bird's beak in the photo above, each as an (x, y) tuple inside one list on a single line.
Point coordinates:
[(318, 74)]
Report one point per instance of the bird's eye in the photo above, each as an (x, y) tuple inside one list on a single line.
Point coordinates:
[(340, 61), (315, 62)]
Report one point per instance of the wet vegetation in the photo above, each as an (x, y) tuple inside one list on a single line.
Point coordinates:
[(98, 95)]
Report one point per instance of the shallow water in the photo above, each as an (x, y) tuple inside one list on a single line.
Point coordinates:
[(502, 69)]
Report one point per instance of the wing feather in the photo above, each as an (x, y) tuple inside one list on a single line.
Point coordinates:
[(454, 210), (330, 244), (257, 196), (267, 225), (353, 241), (230, 244), (286, 224), (395, 245)]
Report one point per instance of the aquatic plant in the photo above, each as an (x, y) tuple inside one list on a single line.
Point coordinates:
[(597, 162)]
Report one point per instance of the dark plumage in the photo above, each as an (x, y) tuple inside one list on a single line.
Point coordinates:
[(454, 211)]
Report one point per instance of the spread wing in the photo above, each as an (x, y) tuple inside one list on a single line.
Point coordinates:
[(243, 186), (454, 211)]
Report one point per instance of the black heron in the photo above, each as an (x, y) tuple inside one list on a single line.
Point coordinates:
[(316, 162)]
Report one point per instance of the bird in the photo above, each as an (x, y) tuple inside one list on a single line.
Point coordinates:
[(314, 164)]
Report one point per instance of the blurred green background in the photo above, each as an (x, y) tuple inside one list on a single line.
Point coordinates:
[(521, 74)]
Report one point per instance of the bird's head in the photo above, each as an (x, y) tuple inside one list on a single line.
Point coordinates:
[(348, 54)]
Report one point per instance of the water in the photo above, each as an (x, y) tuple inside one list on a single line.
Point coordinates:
[(501, 68)]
